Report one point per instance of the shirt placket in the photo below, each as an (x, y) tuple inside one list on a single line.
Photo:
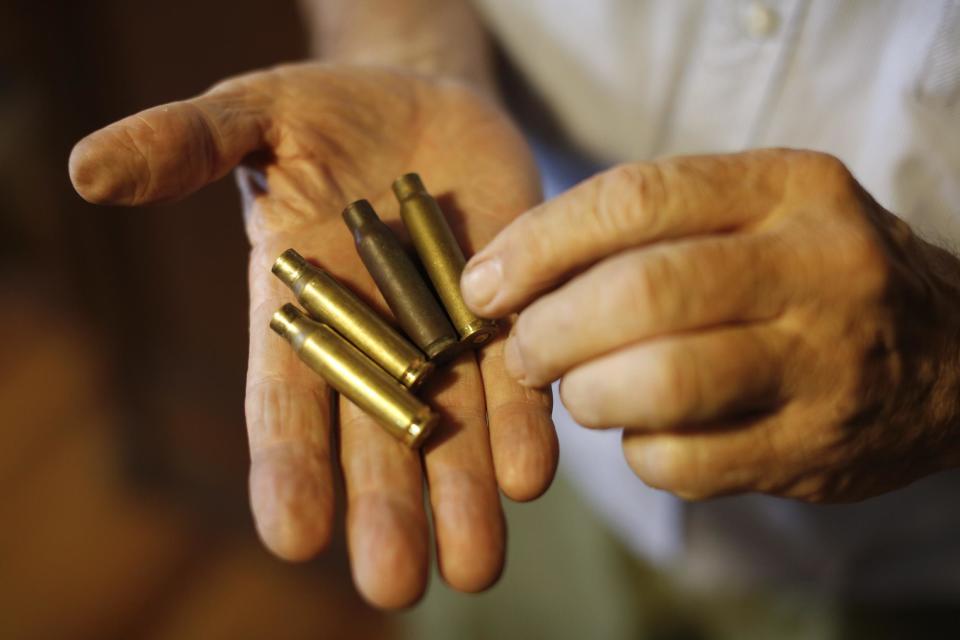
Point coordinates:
[(735, 69)]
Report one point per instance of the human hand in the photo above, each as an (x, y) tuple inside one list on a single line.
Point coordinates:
[(756, 322), (313, 138)]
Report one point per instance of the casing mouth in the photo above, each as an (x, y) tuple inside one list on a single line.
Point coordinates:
[(359, 213), (443, 350), (408, 185), (420, 429), (414, 376), (289, 267), (284, 320), (479, 332)]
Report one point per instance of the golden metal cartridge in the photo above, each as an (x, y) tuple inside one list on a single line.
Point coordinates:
[(355, 376), (440, 255), (401, 284), (332, 303)]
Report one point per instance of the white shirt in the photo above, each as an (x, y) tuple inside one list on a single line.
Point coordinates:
[(875, 82)]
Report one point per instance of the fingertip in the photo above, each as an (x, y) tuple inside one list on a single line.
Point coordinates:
[(656, 460), (292, 506), (633, 445), (471, 537), (473, 574), (388, 552), (524, 486), (390, 601), (93, 171), (393, 597), (474, 581), (526, 456)]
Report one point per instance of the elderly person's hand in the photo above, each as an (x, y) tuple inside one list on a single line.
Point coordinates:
[(312, 138), (755, 321)]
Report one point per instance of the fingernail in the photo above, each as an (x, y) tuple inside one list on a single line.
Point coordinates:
[(512, 359), (480, 282)]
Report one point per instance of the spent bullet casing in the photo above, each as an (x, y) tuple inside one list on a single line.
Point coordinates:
[(416, 309), (441, 256), (330, 302), (355, 376)]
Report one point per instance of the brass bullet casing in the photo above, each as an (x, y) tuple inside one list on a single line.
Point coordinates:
[(401, 284), (332, 303), (441, 256), (355, 376)]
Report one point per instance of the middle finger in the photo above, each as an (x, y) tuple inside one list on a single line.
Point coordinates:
[(387, 530), (642, 293), (467, 517)]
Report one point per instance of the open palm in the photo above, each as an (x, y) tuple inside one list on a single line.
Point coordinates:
[(309, 139)]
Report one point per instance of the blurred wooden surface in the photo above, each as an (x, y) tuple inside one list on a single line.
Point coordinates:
[(83, 554), (123, 455)]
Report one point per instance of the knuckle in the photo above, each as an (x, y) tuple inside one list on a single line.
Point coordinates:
[(849, 403), (674, 386), (245, 84), (625, 199), (641, 287), (651, 280), (826, 164), (227, 86), (280, 410), (865, 258), (827, 172), (530, 244), (136, 139), (864, 250), (547, 326), (535, 359), (205, 138)]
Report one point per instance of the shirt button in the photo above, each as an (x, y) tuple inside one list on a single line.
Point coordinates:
[(759, 20)]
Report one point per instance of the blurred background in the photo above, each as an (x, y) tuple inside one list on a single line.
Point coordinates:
[(122, 450)]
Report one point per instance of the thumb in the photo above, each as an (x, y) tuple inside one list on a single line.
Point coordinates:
[(170, 151)]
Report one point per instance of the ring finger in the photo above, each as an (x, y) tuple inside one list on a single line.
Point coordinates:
[(680, 380)]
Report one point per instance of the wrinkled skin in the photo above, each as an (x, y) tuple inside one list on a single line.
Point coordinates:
[(311, 138), (756, 321)]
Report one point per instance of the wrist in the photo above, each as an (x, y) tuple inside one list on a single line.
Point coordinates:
[(440, 38)]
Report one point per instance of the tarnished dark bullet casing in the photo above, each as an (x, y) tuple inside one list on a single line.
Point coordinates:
[(330, 302), (441, 256), (355, 376), (403, 287)]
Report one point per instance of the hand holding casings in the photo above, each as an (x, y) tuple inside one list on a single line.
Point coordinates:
[(755, 321)]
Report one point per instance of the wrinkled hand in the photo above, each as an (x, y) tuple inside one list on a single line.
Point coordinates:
[(314, 138), (756, 322)]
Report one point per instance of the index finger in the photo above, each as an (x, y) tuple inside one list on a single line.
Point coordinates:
[(627, 206)]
